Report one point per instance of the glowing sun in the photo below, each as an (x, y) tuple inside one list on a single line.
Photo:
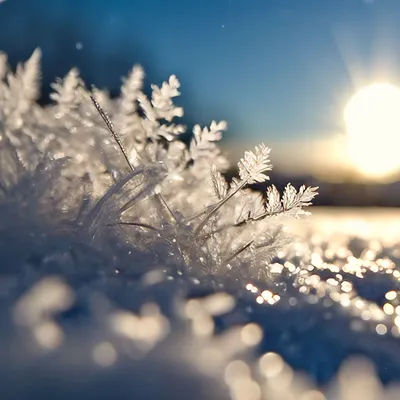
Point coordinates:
[(372, 119)]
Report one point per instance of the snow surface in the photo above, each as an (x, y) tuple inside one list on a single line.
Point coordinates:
[(77, 324), (159, 305)]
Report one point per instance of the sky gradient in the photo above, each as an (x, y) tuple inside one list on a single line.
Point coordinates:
[(276, 70)]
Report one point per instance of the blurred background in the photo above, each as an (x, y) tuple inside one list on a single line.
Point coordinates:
[(317, 81)]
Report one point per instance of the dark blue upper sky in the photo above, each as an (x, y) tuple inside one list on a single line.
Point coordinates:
[(275, 69)]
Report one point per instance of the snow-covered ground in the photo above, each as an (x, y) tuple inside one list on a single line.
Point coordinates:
[(88, 331)]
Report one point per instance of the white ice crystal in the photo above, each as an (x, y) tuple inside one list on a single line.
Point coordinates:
[(178, 205), (253, 165)]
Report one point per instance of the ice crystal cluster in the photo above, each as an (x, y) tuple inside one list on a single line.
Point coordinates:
[(131, 268), (140, 182)]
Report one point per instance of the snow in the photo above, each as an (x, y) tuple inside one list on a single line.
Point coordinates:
[(81, 323), (98, 306)]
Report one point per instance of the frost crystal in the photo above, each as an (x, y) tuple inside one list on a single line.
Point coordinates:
[(253, 165), (219, 183), (159, 195)]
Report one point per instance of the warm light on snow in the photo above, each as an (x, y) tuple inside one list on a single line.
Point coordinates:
[(372, 119)]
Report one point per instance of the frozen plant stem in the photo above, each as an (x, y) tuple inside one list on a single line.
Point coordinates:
[(138, 224), (218, 206), (116, 137), (110, 127), (237, 252), (252, 168), (158, 196), (145, 226)]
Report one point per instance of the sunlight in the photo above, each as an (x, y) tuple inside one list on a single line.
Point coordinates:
[(372, 119)]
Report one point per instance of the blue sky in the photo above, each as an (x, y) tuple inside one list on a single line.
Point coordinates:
[(276, 70)]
